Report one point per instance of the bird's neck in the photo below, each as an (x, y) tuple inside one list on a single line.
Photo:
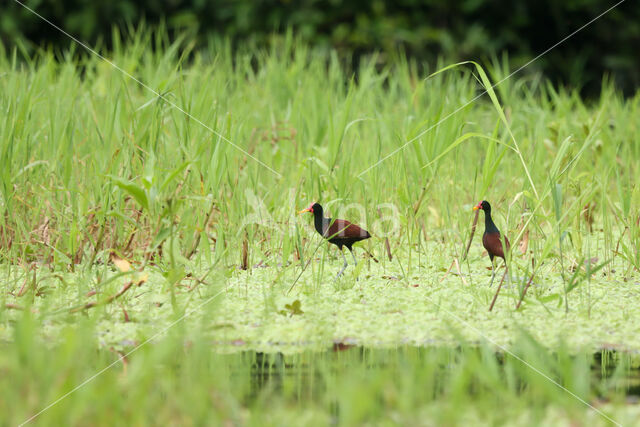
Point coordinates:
[(489, 225), (320, 222)]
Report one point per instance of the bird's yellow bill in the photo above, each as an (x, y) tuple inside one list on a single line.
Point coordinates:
[(304, 210), (475, 208)]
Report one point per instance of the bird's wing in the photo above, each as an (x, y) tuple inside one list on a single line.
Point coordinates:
[(343, 228)]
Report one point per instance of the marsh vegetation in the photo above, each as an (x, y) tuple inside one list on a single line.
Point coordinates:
[(166, 217)]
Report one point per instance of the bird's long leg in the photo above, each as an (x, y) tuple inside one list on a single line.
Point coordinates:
[(354, 260), (345, 263), (493, 273)]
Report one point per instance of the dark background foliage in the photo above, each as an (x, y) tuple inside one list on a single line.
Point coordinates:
[(425, 30)]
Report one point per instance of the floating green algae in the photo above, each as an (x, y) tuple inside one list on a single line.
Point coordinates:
[(388, 304)]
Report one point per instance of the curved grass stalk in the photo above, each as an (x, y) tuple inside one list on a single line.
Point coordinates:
[(494, 99)]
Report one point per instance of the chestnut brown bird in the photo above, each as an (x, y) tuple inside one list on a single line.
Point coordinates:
[(338, 231), (491, 239)]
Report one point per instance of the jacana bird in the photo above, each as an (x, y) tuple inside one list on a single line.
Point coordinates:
[(339, 231), (491, 239)]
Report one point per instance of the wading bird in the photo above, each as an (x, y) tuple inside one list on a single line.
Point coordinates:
[(339, 232), (491, 238)]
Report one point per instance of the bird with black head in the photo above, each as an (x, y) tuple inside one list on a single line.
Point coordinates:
[(340, 232), (492, 239)]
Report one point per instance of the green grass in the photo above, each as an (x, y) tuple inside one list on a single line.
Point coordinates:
[(173, 382), (96, 167)]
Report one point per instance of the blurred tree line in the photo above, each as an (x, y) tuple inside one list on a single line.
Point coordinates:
[(453, 29)]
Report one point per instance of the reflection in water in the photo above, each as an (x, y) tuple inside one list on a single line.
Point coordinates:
[(316, 375)]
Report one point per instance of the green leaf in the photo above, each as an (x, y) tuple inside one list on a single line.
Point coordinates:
[(134, 190), (294, 308), (321, 164), (559, 156), (174, 275), (173, 174), (149, 171), (162, 235), (556, 192)]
